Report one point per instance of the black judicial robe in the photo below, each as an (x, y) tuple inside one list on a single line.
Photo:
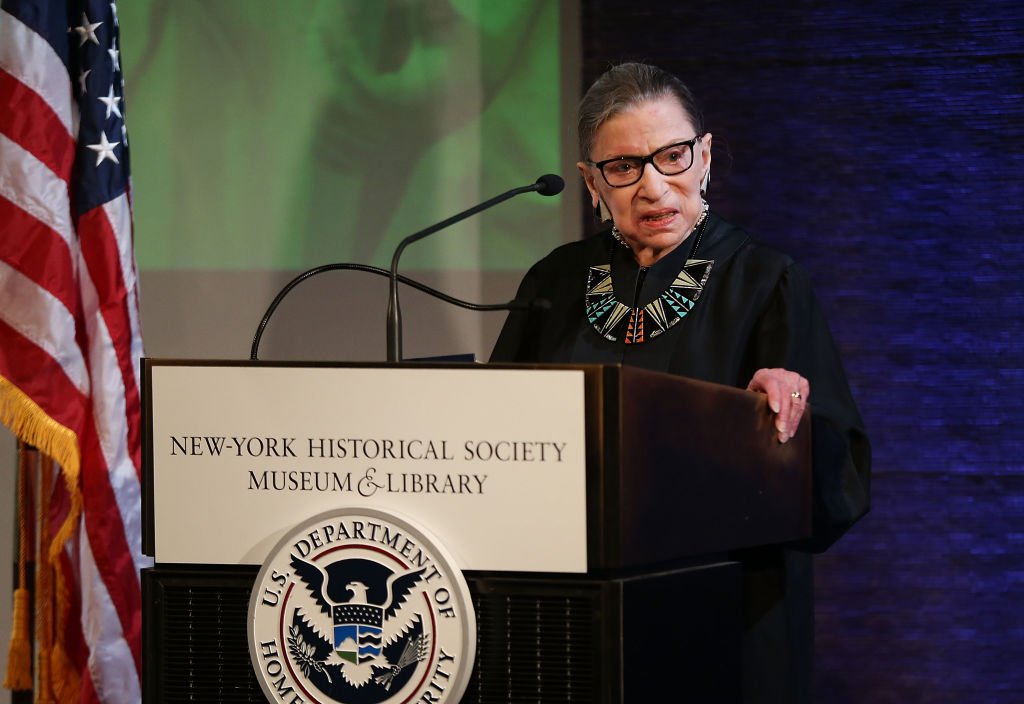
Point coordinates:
[(756, 310)]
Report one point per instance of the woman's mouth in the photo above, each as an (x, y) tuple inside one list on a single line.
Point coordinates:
[(659, 217)]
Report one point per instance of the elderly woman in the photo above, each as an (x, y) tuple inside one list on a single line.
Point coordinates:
[(671, 286)]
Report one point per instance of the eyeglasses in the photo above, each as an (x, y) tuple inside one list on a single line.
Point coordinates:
[(624, 171)]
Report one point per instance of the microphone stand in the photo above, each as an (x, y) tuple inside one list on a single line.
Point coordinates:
[(310, 273), (547, 185)]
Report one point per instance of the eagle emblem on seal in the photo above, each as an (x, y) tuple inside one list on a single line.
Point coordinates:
[(357, 622)]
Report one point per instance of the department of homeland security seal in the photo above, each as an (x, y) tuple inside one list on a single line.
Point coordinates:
[(359, 606)]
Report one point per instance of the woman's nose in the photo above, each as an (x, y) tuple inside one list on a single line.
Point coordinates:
[(652, 182)]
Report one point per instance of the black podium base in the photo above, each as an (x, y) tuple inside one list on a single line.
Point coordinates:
[(668, 636)]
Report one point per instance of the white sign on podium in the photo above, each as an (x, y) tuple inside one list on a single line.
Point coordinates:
[(492, 461)]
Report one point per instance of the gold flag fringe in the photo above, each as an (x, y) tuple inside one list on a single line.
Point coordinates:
[(31, 424), (65, 679), (19, 652), (63, 676)]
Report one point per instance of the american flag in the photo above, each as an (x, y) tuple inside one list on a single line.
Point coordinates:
[(69, 324)]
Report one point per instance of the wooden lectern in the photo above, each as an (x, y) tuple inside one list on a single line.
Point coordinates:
[(679, 475)]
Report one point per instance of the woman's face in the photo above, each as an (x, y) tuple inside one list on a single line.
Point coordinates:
[(658, 212)]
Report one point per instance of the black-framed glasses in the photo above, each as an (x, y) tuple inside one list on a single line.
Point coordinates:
[(624, 171)]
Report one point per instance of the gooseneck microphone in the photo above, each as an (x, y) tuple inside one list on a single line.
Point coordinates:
[(546, 185), (534, 304)]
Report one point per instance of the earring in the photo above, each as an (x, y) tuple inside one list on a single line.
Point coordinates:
[(601, 211), (705, 181)]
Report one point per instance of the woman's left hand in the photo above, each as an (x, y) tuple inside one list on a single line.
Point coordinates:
[(787, 397)]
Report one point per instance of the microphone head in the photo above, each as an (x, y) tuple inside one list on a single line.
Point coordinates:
[(550, 185)]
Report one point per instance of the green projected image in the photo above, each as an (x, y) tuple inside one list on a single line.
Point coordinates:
[(270, 135)]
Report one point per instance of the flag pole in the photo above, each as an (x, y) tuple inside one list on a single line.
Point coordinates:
[(19, 651)]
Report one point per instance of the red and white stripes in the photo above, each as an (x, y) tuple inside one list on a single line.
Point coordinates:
[(70, 344)]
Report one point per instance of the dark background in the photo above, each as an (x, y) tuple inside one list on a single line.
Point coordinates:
[(880, 143)]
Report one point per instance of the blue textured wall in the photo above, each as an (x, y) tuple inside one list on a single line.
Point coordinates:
[(882, 144)]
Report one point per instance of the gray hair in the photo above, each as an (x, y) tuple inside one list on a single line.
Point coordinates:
[(625, 86)]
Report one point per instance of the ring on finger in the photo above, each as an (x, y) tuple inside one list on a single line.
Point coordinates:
[(797, 395)]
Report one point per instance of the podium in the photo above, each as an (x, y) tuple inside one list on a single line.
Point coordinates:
[(679, 475)]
